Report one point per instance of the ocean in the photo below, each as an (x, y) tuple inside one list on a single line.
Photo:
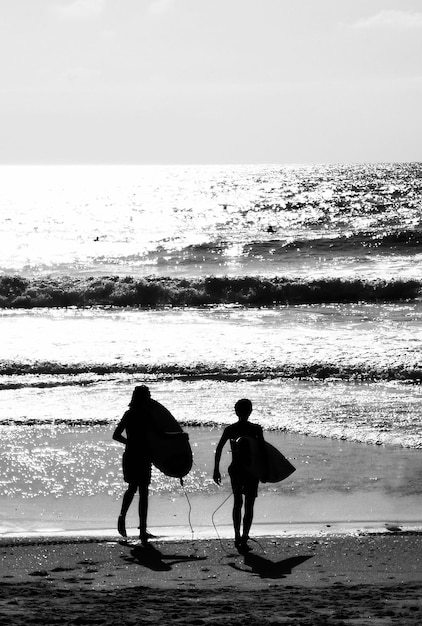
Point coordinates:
[(299, 287)]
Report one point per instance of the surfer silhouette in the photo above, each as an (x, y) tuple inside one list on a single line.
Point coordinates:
[(136, 460), (243, 483)]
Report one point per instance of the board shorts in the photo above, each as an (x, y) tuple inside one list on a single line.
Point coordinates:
[(243, 481), (136, 470)]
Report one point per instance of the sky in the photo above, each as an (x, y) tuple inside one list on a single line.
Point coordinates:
[(210, 81)]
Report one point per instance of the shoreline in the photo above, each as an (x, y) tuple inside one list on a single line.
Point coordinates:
[(223, 532)]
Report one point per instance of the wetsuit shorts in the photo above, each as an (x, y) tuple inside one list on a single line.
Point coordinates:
[(243, 481), (136, 470)]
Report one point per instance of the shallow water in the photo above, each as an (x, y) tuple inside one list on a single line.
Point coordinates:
[(62, 478), (382, 413), (376, 338), (333, 370)]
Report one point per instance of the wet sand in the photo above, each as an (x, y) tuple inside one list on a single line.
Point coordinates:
[(335, 580)]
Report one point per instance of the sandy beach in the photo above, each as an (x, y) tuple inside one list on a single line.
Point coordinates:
[(335, 580)]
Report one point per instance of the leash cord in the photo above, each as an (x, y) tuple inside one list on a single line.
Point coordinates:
[(212, 519), (190, 508)]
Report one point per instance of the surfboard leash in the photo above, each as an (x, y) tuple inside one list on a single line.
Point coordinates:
[(259, 544), (213, 523), (190, 508)]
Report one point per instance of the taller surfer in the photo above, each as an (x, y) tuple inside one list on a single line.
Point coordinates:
[(136, 458), (242, 481)]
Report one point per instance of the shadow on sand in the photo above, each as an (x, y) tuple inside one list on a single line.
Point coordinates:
[(265, 568), (152, 558)]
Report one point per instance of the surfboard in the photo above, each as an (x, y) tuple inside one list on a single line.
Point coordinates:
[(272, 470), (170, 448)]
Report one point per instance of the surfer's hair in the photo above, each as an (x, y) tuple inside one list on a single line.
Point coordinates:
[(140, 395), (243, 408)]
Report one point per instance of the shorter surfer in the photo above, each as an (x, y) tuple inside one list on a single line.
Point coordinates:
[(136, 459), (242, 481)]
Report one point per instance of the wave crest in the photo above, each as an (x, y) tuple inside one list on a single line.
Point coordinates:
[(83, 374), (65, 291)]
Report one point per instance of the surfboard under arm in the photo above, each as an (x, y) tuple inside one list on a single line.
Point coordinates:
[(264, 461)]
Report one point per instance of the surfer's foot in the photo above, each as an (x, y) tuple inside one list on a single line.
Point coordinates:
[(121, 526), (242, 544), (144, 537)]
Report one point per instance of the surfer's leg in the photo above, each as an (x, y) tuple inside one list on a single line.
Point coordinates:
[(143, 512), (237, 514), (127, 501), (248, 516)]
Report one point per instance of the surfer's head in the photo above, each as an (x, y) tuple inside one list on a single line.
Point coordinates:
[(141, 395), (243, 408)]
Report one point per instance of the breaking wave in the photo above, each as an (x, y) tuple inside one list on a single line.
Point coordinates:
[(54, 374), (66, 291)]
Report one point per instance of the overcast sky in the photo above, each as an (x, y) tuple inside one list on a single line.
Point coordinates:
[(210, 81)]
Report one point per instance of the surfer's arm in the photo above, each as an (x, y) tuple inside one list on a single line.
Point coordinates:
[(216, 474), (118, 433)]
